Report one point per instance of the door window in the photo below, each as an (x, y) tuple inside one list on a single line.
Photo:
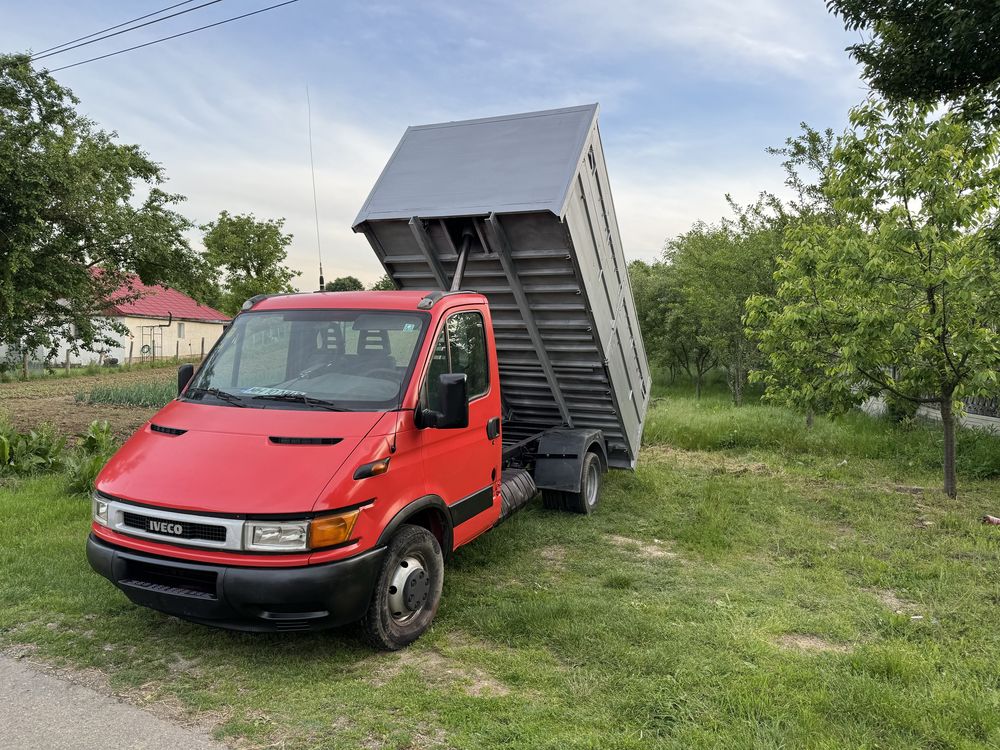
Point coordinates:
[(460, 347)]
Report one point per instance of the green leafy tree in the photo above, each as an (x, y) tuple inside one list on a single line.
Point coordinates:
[(670, 322), (796, 375), (928, 50), (248, 257), (384, 284), (345, 284), (718, 267), (73, 226), (903, 295)]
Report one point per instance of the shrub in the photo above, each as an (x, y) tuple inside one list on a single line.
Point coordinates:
[(32, 452), (899, 409), (86, 462)]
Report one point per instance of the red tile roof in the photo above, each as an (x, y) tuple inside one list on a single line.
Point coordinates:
[(159, 302)]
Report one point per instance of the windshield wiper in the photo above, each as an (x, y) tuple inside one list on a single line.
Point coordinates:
[(226, 396), (301, 398)]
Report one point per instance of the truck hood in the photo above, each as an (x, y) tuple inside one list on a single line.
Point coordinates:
[(224, 459)]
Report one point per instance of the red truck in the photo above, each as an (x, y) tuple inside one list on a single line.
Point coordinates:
[(334, 449)]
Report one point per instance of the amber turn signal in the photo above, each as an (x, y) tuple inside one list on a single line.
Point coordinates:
[(331, 530), (372, 469)]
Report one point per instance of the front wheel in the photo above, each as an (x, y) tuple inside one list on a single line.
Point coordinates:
[(408, 590), (584, 501)]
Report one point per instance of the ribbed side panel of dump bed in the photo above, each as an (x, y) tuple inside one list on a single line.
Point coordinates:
[(568, 342), (572, 331)]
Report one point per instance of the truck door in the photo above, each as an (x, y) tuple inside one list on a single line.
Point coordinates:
[(462, 466)]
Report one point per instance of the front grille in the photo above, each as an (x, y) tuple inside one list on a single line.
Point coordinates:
[(167, 579), (174, 529)]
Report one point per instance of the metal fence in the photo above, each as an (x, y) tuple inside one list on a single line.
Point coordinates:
[(983, 406)]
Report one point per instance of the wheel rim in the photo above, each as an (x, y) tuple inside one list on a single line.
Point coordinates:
[(593, 484), (409, 588)]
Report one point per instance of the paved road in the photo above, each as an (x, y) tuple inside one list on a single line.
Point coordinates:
[(41, 711)]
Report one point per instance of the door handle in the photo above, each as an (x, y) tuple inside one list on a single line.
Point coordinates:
[(493, 428)]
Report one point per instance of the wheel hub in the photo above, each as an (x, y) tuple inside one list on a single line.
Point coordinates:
[(592, 484), (409, 589)]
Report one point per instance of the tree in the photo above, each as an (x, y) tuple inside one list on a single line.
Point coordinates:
[(903, 296), (73, 226), (670, 322), (928, 50), (248, 256), (345, 284), (796, 375), (718, 267), (384, 284)]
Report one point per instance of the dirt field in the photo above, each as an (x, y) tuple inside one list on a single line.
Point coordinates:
[(53, 401)]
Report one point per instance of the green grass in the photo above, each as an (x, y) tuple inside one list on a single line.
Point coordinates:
[(152, 394), (738, 590)]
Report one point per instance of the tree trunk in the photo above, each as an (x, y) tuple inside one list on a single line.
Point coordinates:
[(697, 387), (948, 423), (810, 418)]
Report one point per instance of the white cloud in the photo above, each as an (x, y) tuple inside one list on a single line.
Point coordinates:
[(724, 35)]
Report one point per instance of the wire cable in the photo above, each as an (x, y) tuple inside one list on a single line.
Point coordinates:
[(125, 31), (173, 36), (112, 28)]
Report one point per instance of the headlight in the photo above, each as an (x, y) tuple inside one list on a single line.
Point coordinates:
[(285, 537), (99, 509), (292, 536)]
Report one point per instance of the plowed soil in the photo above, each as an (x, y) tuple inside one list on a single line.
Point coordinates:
[(53, 401)]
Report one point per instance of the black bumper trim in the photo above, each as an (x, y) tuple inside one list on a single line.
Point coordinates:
[(312, 597)]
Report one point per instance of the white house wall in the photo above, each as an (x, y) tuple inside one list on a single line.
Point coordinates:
[(188, 345)]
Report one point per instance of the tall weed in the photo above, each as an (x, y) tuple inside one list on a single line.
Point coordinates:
[(86, 462), (33, 452)]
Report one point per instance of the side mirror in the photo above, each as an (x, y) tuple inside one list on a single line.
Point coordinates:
[(454, 391), (184, 375)]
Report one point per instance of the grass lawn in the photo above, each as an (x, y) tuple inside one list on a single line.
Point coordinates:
[(751, 585)]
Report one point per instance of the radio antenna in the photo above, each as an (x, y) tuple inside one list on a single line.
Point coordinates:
[(312, 168)]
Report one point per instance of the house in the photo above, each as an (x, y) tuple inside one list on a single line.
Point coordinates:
[(161, 322)]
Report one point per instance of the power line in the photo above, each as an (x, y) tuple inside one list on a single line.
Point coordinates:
[(112, 28), (173, 36), (125, 31)]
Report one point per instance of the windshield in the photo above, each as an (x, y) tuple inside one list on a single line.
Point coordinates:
[(351, 360)]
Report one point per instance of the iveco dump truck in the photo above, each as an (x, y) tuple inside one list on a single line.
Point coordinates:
[(334, 449)]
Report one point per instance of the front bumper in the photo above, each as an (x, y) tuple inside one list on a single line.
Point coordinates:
[(239, 598)]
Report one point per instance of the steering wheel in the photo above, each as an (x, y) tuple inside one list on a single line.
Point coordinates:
[(381, 372)]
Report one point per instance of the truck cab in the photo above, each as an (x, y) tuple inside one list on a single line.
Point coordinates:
[(267, 496)]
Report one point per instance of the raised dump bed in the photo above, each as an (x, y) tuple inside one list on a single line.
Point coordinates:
[(519, 207)]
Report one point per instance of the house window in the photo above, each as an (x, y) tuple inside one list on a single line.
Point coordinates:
[(180, 329)]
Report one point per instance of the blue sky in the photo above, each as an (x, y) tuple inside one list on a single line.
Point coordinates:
[(691, 93)]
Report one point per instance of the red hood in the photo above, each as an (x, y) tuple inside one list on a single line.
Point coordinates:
[(225, 462)]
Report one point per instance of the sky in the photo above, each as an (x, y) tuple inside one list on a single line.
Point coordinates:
[(692, 92)]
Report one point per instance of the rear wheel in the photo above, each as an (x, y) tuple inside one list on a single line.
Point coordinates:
[(584, 501), (408, 590)]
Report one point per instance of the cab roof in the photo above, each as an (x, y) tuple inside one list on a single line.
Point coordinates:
[(407, 300)]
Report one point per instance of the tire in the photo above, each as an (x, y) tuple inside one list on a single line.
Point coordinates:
[(585, 501), (412, 575)]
